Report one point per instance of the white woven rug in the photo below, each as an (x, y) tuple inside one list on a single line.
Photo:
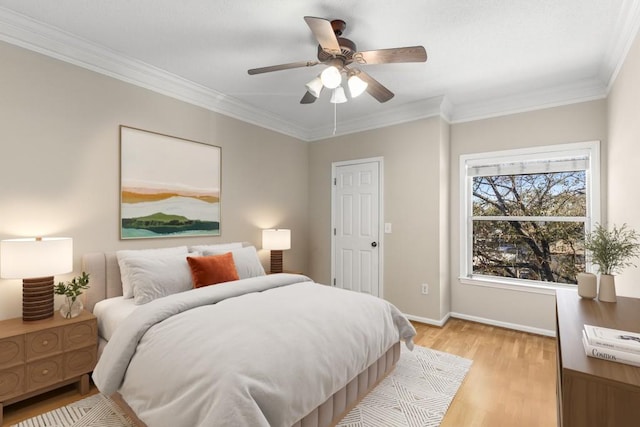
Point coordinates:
[(416, 394)]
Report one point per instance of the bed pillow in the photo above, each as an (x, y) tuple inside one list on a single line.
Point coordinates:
[(212, 269), (127, 288), (246, 260), (153, 278), (220, 247)]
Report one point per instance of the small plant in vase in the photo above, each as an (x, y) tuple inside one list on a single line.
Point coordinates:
[(612, 251), (71, 291)]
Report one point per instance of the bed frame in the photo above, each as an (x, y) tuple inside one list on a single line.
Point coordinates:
[(105, 283)]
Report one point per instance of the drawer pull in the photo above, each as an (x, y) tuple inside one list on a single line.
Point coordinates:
[(45, 371), (45, 342)]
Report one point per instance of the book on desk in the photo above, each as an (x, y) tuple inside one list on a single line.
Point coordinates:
[(611, 344)]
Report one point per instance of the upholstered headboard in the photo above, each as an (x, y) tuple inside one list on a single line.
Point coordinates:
[(104, 276)]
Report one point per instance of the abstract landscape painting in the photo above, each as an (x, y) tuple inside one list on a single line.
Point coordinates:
[(169, 186)]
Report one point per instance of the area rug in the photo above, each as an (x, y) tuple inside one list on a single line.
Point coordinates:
[(416, 394)]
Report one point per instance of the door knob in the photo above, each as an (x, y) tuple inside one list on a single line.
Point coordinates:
[(374, 244)]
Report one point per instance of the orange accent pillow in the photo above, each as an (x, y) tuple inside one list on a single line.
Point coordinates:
[(212, 269)]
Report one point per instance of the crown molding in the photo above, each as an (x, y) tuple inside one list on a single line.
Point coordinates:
[(392, 116), (33, 35), (580, 91), (628, 25)]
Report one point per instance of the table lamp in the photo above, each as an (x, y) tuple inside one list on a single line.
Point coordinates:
[(36, 261), (276, 240)]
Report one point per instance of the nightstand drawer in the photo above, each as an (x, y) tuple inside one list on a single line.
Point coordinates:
[(11, 382), (80, 361), (80, 335), (11, 351), (43, 343), (44, 372)]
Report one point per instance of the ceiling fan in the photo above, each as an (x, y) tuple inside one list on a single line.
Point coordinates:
[(341, 54)]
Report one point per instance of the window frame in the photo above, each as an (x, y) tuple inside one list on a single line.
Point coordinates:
[(590, 149)]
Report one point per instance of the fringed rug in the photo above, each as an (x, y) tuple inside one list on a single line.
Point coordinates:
[(416, 394)]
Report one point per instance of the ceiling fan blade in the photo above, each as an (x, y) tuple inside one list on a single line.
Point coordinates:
[(308, 98), (323, 31), (387, 56), (375, 88), (288, 66)]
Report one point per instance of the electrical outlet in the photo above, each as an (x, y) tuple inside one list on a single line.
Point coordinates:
[(425, 288)]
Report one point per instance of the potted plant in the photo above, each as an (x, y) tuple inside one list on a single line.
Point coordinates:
[(71, 291), (611, 251)]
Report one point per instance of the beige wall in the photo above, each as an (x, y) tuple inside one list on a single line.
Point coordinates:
[(573, 123), (60, 157), (415, 165), (624, 156), (60, 162)]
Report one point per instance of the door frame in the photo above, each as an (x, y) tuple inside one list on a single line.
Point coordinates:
[(334, 166)]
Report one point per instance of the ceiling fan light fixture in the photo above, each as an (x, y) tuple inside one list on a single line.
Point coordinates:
[(356, 86), (314, 87), (331, 77), (338, 96)]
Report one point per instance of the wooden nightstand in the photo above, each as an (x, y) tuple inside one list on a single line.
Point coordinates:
[(39, 356)]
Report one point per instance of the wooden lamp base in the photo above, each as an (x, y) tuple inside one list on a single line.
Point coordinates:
[(37, 298), (276, 261)]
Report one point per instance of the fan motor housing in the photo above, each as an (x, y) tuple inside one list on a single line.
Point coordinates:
[(347, 49)]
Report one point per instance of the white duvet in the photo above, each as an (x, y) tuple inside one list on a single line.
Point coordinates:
[(263, 351)]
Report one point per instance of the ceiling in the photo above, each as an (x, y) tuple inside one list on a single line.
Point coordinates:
[(485, 58)]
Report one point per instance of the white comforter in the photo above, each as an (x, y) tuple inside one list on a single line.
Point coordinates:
[(263, 351)]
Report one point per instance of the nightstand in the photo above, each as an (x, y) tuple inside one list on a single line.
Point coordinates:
[(39, 356)]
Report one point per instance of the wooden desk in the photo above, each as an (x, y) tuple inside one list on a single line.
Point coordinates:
[(594, 392)]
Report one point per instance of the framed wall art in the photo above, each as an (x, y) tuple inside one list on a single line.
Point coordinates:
[(169, 187)]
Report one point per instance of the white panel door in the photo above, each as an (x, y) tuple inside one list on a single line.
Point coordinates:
[(356, 227)]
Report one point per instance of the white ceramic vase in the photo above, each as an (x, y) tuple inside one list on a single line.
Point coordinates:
[(587, 285), (607, 288)]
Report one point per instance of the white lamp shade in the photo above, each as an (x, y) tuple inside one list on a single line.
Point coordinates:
[(276, 239), (356, 86), (331, 77), (31, 257), (314, 87), (338, 96)]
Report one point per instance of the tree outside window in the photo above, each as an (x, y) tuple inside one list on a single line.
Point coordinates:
[(524, 214), (529, 226)]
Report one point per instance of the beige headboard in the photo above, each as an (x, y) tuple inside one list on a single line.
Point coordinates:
[(104, 276)]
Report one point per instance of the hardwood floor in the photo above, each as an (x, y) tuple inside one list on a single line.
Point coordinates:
[(511, 381)]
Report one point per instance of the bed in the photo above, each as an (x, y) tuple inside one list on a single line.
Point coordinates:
[(261, 350)]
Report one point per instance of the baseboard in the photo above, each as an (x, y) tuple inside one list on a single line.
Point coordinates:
[(515, 326), (507, 325), (426, 321)]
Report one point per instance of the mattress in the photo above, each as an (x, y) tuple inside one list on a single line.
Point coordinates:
[(110, 313)]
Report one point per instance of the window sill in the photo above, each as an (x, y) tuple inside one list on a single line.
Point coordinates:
[(533, 287)]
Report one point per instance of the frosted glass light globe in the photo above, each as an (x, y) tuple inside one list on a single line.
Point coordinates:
[(331, 77)]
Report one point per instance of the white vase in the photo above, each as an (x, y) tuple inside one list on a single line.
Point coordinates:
[(587, 285), (607, 288), (71, 309)]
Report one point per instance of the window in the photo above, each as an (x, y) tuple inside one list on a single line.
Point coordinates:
[(525, 214)]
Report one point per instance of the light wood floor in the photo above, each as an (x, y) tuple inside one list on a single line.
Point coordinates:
[(511, 381)]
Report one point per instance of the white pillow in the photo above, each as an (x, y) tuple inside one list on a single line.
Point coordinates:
[(158, 277), (127, 288), (224, 247), (246, 260)]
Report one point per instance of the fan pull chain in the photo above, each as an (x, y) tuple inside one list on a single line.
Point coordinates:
[(335, 117)]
